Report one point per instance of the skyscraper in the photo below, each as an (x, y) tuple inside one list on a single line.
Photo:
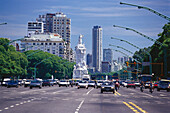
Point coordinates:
[(108, 55), (97, 47), (89, 60)]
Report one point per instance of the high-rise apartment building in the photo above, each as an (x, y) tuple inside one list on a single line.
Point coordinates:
[(49, 42), (35, 27), (58, 23), (97, 48)]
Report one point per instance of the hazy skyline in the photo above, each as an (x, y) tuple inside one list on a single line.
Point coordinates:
[(84, 15)]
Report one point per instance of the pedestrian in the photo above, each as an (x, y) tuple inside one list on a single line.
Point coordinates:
[(141, 86), (151, 87), (117, 84)]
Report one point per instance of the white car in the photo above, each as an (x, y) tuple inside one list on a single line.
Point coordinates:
[(91, 84), (27, 83), (64, 83), (99, 83), (82, 84), (124, 84)]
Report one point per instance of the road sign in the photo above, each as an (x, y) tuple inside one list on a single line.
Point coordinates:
[(145, 63)]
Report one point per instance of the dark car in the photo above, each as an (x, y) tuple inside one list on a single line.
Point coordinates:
[(156, 85), (107, 87), (35, 83), (46, 83), (12, 83), (130, 84), (164, 85)]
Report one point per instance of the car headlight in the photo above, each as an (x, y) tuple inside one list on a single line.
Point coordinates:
[(112, 87), (102, 87)]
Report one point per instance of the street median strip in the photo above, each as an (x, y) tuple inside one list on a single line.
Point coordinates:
[(143, 111), (133, 109)]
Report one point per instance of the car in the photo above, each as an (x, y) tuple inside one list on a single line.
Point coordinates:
[(124, 84), (12, 83), (99, 83), (91, 84), (76, 82), (147, 85), (5, 81), (36, 83), (164, 85), (130, 84), (156, 85), (82, 84), (107, 87), (47, 83), (27, 83), (64, 83), (137, 84)]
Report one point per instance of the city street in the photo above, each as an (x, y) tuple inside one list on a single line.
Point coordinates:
[(72, 100)]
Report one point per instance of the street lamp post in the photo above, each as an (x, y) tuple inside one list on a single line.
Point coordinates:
[(3, 23), (150, 58), (129, 52), (151, 39), (151, 10)]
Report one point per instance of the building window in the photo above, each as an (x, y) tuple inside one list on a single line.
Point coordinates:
[(46, 44), (42, 43), (33, 43), (54, 43), (49, 43)]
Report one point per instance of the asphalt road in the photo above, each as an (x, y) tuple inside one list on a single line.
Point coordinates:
[(72, 100)]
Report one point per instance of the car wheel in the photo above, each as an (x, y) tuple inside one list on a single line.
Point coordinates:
[(59, 85), (77, 87), (87, 88), (113, 92), (39, 87), (134, 87), (167, 90), (8, 86), (158, 89), (30, 87), (101, 91), (16, 86)]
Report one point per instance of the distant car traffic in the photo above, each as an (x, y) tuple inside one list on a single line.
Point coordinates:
[(107, 87), (156, 85), (12, 83), (82, 84), (36, 83), (47, 83), (137, 84), (130, 84), (64, 83), (147, 85), (99, 83), (27, 83), (164, 85), (91, 84)]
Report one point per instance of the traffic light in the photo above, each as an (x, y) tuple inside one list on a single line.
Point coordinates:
[(127, 63), (125, 71), (135, 63), (55, 71)]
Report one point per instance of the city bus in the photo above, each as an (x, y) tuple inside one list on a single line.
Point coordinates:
[(144, 78)]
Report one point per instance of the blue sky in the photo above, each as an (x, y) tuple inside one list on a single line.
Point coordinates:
[(85, 14)]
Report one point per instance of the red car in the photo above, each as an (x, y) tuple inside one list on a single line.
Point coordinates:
[(156, 85), (131, 84)]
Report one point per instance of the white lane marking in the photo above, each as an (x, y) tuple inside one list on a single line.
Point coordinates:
[(0, 110), (12, 106), (21, 103), (29, 101), (6, 108), (78, 108), (89, 91), (17, 104)]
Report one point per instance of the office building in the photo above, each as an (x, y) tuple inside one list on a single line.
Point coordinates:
[(35, 27), (97, 48), (89, 60)]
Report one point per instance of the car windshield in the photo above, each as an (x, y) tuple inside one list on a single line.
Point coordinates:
[(164, 82), (107, 83), (12, 81), (35, 81), (82, 82), (91, 82), (63, 81), (100, 82)]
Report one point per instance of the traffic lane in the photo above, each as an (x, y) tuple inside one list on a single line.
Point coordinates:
[(16, 97), (148, 102), (107, 102), (65, 101)]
